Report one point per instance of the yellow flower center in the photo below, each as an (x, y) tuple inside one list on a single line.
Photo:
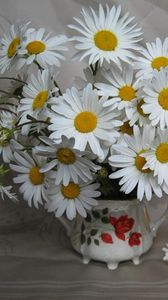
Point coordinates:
[(66, 156), (40, 99), (85, 122), (139, 108), (140, 162), (162, 153), (35, 176), (126, 128), (71, 191), (105, 40), (35, 47), (163, 99), (127, 93), (13, 47), (159, 62)]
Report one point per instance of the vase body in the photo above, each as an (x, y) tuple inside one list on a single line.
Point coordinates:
[(113, 231)]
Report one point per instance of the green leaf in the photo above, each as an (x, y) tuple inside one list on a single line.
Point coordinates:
[(105, 211), (105, 220), (83, 239), (96, 214), (89, 241), (93, 232), (88, 218), (96, 242)]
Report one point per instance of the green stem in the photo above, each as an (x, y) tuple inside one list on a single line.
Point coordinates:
[(8, 110), (38, 65), (7, 103), (15, 79), (91, 66), (94, 68), (59, 90), (27, 123), (9, 94), (2, 91)]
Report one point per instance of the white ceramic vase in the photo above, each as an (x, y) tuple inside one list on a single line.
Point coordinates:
[(113, 231)]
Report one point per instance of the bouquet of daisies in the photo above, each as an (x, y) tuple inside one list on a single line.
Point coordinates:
[(105, 137)]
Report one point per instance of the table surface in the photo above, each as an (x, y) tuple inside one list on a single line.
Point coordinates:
[(37, 261)]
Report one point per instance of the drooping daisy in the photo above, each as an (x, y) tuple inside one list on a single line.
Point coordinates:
[(37, 95), (72, 198), (45, 50), (155, 57), (106, 36), (156, 99), (83, 117), (9, 46), (121, 89), (33, 183), (129, 160), (71, 164), (157, 157)]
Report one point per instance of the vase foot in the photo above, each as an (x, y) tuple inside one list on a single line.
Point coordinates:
[(112, 265), (136, 260), (86, 260)]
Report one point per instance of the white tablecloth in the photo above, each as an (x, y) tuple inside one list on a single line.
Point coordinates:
[(36, 258)]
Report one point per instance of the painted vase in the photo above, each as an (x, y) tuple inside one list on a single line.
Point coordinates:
[(113, 231)]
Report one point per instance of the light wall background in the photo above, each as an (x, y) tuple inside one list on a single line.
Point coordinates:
[(54, 15)]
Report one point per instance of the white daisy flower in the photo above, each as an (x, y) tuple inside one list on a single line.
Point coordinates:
[(72, 198), (157, 156), (7, 132), (71, 164), (45, 50), (121, 89), (156, 99), (81, 83), (125, 128), (83, 117), (33, 183), (8, 117), (37, 95), (132, 165), (6, 135), (138, 116), (165, 187), (155, 57), (106, 36), (165, 249), (10, 44), (6, 191)]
